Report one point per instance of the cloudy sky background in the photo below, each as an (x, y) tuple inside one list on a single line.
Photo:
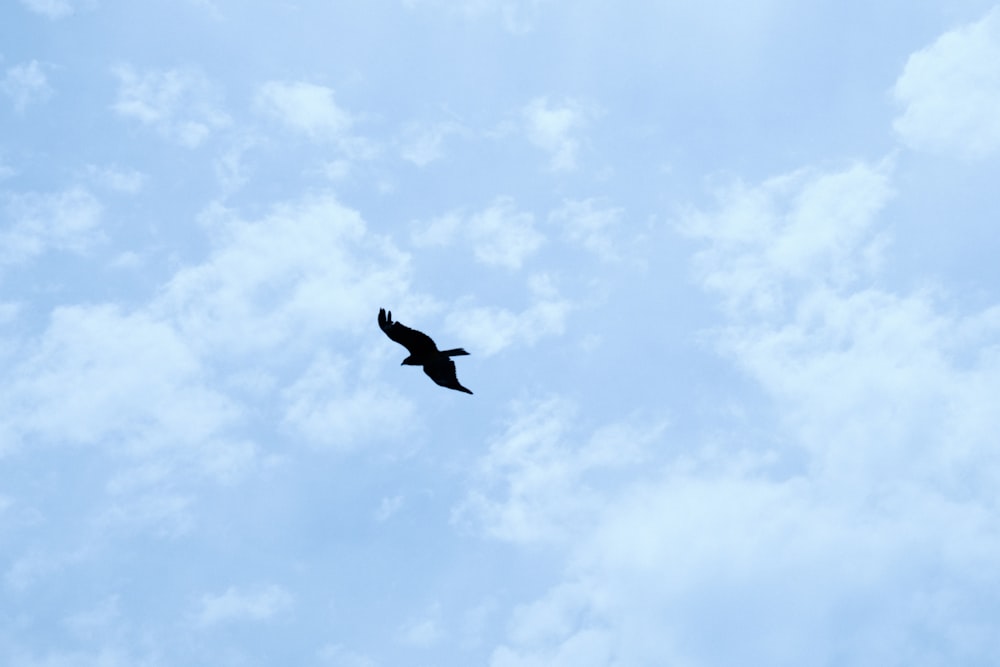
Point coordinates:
[(726, 271)]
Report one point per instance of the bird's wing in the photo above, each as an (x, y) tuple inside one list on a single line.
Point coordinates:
[(417, 342), (442, 371)]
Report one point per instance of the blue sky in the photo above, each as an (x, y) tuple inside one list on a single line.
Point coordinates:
[(726, 271)]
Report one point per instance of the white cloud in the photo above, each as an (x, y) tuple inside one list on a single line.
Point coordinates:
[(423, 144), (323, 406), (336, 655), (500, 235), (304, 270), (538, 484), (53, 9), (181, 104), (861, 530), (422, 633), (68, 220), (793, 232), (387, 507), (26, 84), (495, 328), (105, 377), (109, 655), (589, 224), (554, 127), (950, 92), (439, 231), (516, 16), (503, 236), (305, 107), (128, 181), (259, 604), (164, 515)]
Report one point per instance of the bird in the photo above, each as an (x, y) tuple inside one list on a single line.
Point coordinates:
[(423, 352)]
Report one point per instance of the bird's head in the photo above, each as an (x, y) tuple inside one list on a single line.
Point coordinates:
[(410, 361)]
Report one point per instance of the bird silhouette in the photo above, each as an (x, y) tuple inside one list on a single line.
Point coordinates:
[(423, 352)]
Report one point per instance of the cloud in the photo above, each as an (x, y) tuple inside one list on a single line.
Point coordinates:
[(502, 236), (423, 632), (181, 104), (516, 16), (53, 9), (499, 235), (387, 508), (305, 107), (323, 406), (305, 270), (336, 655), (859, 530), (950, 92), (590, 224), (423, 144), (495, 329), (68, 220), (259, 604), (101, 376), (540, 480), (26, 84), (553, 128), (128, 181), (795, 231)]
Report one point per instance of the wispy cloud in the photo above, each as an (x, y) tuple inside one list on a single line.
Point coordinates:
[(516, 16), (423, 144), (500, 235), (886, 432), (68, 220), (180, 103), (591, 224), (800, 229), (54, 9), (950, 92), (495, 328), (26, 84), (305, 107), (304, 269), (236, 604), (128, 181), (328, 408), (555, 128), (533, 484)]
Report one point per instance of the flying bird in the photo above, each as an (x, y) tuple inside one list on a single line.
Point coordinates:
[(423, 352)]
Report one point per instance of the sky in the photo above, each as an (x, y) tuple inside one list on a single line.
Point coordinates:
[(726, 272)]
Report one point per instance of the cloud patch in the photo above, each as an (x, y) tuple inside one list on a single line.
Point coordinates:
[(500, 235), (554, 127), (950, 93), (305, 107), (181, 104), (859, 531), (68, 220), (55, 9), (243, 605), (26, 84), (793, 232), (494, 329)]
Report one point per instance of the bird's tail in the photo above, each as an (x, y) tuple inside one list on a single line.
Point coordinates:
[(456, 352)]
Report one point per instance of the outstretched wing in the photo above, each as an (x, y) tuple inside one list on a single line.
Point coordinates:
[(418, 343), (442, 370)]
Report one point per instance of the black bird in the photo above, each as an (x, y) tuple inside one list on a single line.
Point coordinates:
[(423, 352)]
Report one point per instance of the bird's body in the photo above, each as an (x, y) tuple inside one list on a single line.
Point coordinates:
[(437, 364)]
